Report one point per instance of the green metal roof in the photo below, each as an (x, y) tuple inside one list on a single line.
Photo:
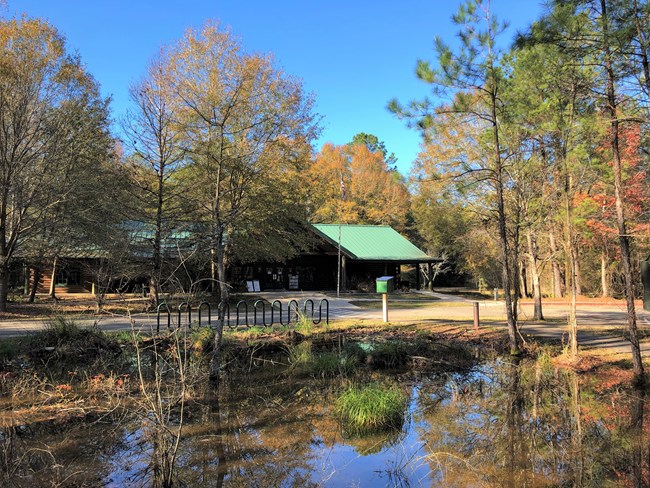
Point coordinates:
[(372, 243)]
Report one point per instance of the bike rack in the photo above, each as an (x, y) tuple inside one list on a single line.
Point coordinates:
[(320, 312), (242, 313), (189, 314), (261, 302), (296, 310), (237, 322), (169, 316), (201, 306)]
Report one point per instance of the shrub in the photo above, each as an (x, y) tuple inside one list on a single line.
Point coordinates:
[(371, 408)]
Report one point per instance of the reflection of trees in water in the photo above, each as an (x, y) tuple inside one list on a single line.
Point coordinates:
[(639, 444), (267, 431), (531, 425), (259, 433), (514, 425)]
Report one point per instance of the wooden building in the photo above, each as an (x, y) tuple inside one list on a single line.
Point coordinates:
[(367, 252)]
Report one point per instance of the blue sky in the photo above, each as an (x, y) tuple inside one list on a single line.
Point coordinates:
[(353, 55)]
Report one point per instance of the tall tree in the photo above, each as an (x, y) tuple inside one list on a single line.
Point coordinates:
[(561, 117), (605, 41), (473, 76), (43, 92), (599, 39), (373, 192), (243, 119), (373, 144), (154, 137)]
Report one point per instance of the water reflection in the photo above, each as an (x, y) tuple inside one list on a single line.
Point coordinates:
[(502, 423), (532, 425)]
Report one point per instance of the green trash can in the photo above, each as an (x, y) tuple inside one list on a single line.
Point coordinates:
[(645, 279)]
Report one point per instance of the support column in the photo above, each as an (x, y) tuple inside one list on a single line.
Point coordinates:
[(25, 278), (417, 276), (344, 275)]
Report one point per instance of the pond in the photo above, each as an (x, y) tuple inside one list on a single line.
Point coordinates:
[(490, 422)]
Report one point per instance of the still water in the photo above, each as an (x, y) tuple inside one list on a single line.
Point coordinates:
[(494, 423)]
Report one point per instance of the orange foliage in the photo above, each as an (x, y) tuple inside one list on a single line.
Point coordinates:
[(354, 185)]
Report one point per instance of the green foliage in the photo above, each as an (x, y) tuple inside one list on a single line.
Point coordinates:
[(326, 363), (373, 144), (126, 336), (371, 408), (304, 324), (202, 339)]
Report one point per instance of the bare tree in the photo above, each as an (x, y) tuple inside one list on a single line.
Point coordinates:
[(154, 138)]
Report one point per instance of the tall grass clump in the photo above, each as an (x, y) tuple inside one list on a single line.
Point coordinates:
[(68, 338), (371, 408), (301, 354), (303, 324), (326, 363)]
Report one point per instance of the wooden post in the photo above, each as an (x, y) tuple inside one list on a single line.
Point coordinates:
[(476, 317), (417, 276), (384, 301)]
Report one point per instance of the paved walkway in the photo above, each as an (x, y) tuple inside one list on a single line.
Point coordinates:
[(601, 326)]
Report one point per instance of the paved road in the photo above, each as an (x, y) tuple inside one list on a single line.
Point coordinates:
[(599, 326)]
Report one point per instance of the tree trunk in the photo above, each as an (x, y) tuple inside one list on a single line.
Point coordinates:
[(557, 274), (506, 263), (604, 273), (572, 258), (623, 238), (523, 274), (515, 274), (220, 267), (38, 273), (578, 274), (156, 272), (214, 278), (534, 271), (53, 282), (577, 441)]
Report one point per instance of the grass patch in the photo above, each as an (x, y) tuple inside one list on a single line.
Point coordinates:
[(371, 408), (66, 338), (322, 363), (392, 353), (201, 339)]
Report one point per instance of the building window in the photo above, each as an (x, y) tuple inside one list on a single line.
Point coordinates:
[(68, 277)]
